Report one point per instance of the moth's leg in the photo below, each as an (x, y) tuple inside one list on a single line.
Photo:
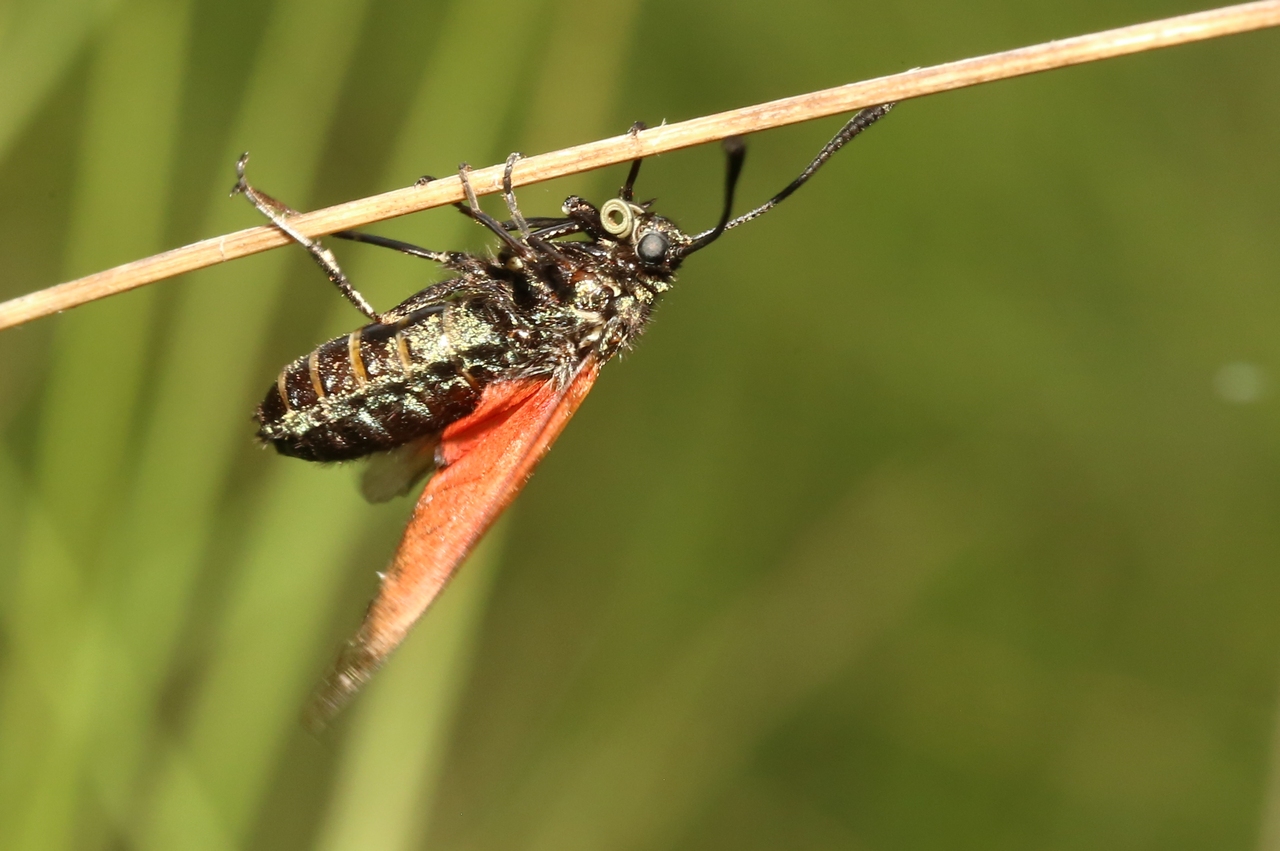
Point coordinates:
[(278, 213), (586, 216), (567, 227), (509, 196), (548, 248), (460, 206), (539, 223), (628, 189), (537, 242), (457, 205), (444, 258), (472, 209)]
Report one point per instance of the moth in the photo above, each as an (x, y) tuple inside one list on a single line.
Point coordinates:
[(471, 380)]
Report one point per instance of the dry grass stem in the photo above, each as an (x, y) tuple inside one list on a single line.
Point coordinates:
[(1199, 26)]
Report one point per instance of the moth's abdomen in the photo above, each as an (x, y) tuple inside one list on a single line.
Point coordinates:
[(383, 386)]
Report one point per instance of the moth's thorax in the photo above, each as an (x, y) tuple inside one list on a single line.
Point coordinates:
[(608, 310), (609, 291)]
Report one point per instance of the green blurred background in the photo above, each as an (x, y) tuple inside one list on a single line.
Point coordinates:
[(938, 509)]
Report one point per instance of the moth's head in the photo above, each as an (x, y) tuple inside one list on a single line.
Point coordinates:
[(658, 244), (655, 240)]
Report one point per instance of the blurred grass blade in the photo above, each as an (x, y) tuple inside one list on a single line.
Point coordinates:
[(248, 702), (122, 187), (40, 612), (596, 41), (1269, 817), (155, 551), (634, 779), (37, 49), (205, 377)]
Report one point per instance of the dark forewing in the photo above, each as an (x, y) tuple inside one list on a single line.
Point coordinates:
[(488, 456)]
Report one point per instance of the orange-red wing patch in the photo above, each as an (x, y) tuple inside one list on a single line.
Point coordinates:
[(487, 458)]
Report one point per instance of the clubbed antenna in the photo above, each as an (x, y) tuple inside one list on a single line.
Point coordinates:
[(736, 153), (861, 121)]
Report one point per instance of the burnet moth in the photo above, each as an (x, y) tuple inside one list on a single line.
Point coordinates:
[(472, 379)]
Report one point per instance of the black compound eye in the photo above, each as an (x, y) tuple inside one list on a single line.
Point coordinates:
[(652, 247)]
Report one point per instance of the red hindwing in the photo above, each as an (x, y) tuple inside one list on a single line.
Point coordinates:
[(487, 457)]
